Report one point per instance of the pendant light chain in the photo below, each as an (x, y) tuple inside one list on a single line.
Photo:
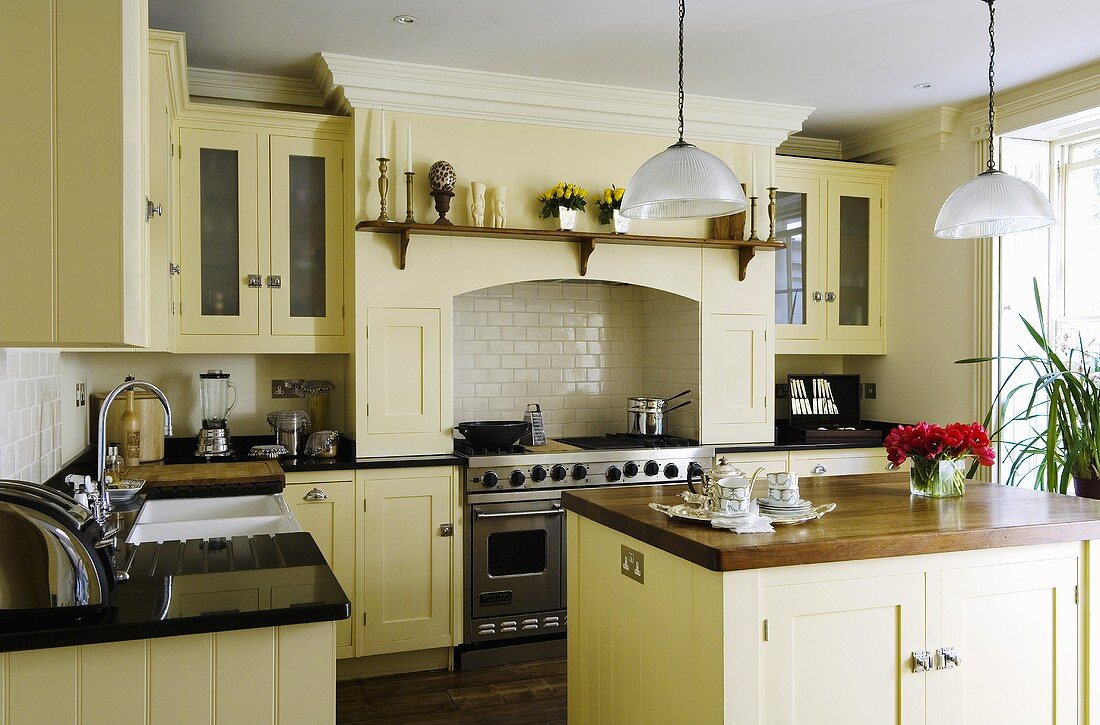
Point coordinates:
[(681, 111), (991, 165)]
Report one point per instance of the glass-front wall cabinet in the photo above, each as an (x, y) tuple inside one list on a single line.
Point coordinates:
[(306, 236), (829, 279), (219, 261), (262, 235)]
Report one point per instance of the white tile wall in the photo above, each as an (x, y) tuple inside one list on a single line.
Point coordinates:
[(579, 349), (30, 414)]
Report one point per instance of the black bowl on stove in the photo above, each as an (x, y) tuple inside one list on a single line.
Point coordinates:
[(493, 433)]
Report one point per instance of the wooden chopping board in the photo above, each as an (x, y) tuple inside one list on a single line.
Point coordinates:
[(552, 446), (199, 477)]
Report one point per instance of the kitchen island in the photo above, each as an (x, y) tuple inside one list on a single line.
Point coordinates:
[(892, 608)]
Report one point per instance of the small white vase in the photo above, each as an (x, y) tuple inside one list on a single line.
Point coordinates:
[(620, 223), (567, 219)]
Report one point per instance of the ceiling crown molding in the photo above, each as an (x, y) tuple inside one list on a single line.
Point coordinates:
[(923, 134), (253, 87), (813, 148), (1035, 103), (485, 96)]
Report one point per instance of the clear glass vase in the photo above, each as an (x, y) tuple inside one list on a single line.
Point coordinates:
[(937, 479)]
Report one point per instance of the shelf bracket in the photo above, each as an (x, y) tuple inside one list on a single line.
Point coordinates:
[(587, 246), (744, 256), (406, 237)]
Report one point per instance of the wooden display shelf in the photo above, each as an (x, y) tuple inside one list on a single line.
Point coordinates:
[(586, 241)]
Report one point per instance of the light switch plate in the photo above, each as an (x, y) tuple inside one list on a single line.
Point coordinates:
[(633, 564), (870, 391)]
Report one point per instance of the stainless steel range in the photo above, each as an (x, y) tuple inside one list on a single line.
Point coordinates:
[(515, 547)]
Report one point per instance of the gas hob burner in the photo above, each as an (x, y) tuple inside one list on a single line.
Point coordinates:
[(465, 448), (620, 441)]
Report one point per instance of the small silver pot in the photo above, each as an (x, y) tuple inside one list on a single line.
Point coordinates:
[(646, 416), (323, 444)]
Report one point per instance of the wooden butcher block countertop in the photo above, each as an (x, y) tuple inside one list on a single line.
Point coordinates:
[(875, 517), (209, 479)]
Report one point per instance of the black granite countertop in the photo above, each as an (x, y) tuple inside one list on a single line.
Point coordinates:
[(193, 587), (785, 442)]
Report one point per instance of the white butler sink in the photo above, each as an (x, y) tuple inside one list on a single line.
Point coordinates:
[(180, 519)]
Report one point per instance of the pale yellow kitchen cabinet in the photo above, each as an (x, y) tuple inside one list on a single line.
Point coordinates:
[(829, 643), (830, 284), (265, 675), (410, 558), (839, 461), (324, 504), (72, 140), (403, 369), (736, 368), (262, 238)]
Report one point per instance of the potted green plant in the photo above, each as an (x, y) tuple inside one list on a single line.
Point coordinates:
[(563, 201), (1062, 413)]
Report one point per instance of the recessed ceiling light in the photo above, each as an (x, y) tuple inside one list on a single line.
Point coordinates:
[(922, 86), (405, 19)]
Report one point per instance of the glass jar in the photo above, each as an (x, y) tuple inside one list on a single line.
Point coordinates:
[(937, 479)]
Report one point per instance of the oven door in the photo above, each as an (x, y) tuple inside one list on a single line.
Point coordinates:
[(516, 558)]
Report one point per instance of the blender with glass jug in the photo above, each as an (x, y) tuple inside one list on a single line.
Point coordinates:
[(215, 403)]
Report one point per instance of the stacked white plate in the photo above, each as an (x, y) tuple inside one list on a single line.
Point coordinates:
[(769, 507)]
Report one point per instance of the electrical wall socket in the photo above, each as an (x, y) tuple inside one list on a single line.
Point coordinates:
[(287, 389), (633, 564), (782, 391), (870, 391)]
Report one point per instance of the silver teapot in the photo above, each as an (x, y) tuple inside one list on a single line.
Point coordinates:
[(724, 490)]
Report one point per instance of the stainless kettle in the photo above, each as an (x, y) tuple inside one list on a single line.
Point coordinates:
[(323, 444), (57, 551)]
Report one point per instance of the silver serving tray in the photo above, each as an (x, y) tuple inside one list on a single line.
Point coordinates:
[(683, 511)]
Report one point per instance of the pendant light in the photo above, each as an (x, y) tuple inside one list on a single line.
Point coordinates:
[(994, 203), (683, 181)]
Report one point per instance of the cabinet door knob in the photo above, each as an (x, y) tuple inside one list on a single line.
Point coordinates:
[(922, 661), (315, 495), (817, 296), (255, 281), (274, 281), (447, 529), (819, 469), (949, 658), (830, 296)]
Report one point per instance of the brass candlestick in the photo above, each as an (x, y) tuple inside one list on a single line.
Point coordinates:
[(752, 220), (771, 212), (383, 187), (409, 198)]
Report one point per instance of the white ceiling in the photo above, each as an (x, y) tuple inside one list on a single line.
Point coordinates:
[(856, 61)]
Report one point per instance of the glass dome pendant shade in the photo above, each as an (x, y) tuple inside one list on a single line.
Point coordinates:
[(683, 181), (994, 203)]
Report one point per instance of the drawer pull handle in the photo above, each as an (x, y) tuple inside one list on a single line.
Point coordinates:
[(819, 469), (447, 529), (315, 495)]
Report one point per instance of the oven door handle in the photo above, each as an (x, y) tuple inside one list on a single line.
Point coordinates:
[(557, 510)]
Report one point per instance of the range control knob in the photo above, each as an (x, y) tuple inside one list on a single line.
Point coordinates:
[(517, 478), (694, 470), (613, 474), (579, 472), (672, 470), (651, 468), (489, 479), (538, 474), (630, 469), (558, 472)]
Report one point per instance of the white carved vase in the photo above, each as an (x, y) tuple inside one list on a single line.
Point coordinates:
[(620, 223), (567, 218)]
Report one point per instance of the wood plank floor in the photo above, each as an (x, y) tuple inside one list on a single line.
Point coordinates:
[(530, 693)]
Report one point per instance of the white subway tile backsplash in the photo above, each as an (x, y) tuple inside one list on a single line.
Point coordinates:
[(573, 347), (30, 413)]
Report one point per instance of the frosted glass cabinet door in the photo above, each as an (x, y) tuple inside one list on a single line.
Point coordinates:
[(307, 237), (219, 244), (800, 268), (853, 299)]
